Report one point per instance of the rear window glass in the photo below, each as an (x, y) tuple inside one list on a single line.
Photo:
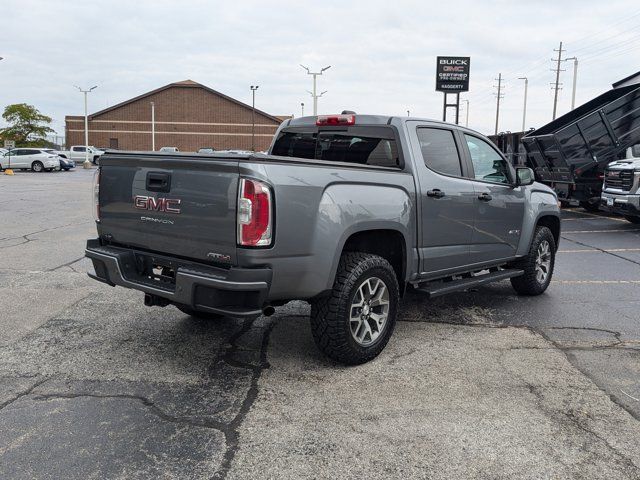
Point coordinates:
[(338, 147)]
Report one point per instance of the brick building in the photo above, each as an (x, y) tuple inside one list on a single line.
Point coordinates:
[(188, 115)]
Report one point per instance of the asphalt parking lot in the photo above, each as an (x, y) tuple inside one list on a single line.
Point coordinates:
[(481, 384)]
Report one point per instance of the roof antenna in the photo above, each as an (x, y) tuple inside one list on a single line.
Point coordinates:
[(348, 112)]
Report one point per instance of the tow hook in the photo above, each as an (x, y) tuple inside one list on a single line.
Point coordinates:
[(268, 311), (155, 301)]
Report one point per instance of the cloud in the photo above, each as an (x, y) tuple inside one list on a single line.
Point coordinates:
[(382, 53)]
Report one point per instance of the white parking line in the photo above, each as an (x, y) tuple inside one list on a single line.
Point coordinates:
[(617, 219), (600, 251), (603, 231), (596, 282)]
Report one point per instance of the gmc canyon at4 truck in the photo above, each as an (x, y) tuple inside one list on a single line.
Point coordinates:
[(345, 211)]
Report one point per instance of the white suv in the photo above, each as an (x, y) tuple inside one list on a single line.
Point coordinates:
[(35, 159)]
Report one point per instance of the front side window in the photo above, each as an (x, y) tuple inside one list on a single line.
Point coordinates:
[(79, 149), (439, 151), (488, 164)]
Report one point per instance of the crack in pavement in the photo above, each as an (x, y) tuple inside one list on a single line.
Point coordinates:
[(68, 264), (194, 422), (230, 429), (26, 235), (22, 394), (582, 244), (232, 435)]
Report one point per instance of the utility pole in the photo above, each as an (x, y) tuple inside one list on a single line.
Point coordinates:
[(524, 110), (314, 95), (499, 95), (153, 127), (466, 120), (575, 76), (408, 113), (86, 163), (253, 117), (302, 105), (557, 82)]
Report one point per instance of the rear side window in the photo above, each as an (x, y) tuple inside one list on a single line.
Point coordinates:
[(338, 147), (439, 151)]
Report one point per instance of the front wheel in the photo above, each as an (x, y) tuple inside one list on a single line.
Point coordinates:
[(37, 166), (537, 265), (632, 219), (355, 321)]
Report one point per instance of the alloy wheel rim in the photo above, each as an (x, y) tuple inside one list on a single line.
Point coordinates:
[(369, 311), (37, 167), (543, 261)]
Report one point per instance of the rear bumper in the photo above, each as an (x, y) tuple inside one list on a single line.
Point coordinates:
[(621, 203), (235, 292)]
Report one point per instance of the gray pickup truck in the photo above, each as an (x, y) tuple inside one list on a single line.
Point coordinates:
[(346, 212)]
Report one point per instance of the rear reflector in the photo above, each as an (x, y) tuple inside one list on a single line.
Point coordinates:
[(96, 195), (336, 120), (255, 215)]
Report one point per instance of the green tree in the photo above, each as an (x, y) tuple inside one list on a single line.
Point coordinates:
[(26, 124)]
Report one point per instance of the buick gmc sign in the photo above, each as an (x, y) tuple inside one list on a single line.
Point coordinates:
[(452, 74)]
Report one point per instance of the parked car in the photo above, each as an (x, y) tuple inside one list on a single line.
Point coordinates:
[(36, 159), (169, 149), (346, 212), (3, 151), (621, 190), (78, 154), (206, 150)]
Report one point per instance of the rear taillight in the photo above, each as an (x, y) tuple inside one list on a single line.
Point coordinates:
[(255, 216), (96, 195), (336, 120)]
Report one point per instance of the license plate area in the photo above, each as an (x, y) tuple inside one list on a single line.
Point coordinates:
[(156, 271), (609, 202)]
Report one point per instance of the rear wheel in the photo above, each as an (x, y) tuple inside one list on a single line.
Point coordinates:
[(355, 321), (198, 314), (632, 219), (537, 265), (37, 166)]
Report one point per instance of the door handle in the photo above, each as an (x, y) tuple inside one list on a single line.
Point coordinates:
[(158, 182), (485, 197), (435, 193)]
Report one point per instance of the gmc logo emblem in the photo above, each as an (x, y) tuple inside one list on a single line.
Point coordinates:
[(167, 205)]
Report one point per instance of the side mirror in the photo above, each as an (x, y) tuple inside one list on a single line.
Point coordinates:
[(524, 176)]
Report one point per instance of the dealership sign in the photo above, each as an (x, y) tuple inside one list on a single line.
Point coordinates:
[(452, 74)]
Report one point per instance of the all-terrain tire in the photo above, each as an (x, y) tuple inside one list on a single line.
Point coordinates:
[(632, 219), (330, 314), (209, 316), (530, 282)]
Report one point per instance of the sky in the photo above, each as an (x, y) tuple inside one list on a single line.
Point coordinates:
[(382, 53)]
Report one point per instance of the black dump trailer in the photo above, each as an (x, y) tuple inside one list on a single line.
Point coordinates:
[(570, 153)]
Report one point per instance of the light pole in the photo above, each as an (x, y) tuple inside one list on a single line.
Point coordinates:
[(315, 76), (575, 76), (86, 163), (466, 120), (153, 126), (408, 113), (524, 109), (253, 117), (302, 106)]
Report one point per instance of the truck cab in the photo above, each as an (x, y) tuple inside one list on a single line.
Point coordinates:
[(621, 189)]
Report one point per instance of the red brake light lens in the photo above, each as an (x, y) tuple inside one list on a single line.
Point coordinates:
[(336, 120), (255, 216)]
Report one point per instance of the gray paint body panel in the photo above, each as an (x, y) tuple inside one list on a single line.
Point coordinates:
[(319, 205)]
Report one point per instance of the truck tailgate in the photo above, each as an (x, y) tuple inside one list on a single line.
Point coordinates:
[(179, 205)]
